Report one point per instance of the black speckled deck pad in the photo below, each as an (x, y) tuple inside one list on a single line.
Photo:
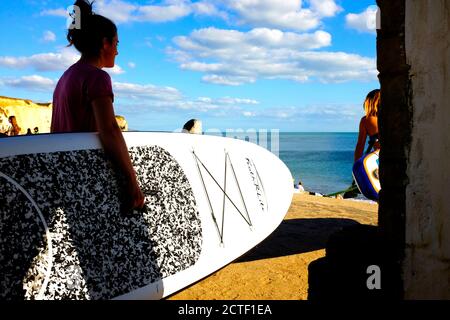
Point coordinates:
[(98, 252)]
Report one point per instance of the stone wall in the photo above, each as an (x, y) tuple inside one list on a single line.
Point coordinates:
[(414, 215), (427, 255), (394, 126)]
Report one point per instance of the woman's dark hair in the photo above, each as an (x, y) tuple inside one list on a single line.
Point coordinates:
[(188, 125), (372, 94), (93, 28)]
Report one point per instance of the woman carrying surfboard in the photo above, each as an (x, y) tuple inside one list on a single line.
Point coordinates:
[(83, 98)]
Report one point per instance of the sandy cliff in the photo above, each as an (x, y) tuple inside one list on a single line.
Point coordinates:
[(30, 114)]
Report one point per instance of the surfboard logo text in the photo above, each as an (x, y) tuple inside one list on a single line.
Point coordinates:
[(260, 193)]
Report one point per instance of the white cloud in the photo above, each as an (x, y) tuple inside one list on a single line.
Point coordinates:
[(286, 14), (138, 98), (236, 101), (48, 36), (202, 67), (122, 12), (228, 101), (210, 39), (281, 14), (227, 80), (170, 11), (336, 66), (33, 82), (230, 57), (205, 99), (325, 112), (45, 62), (364, 21), (276, 14), (223, 105), (171, 99), (131, 65), (325, 8), (42, 61), (55, 12), (116, 10), (207, 8), (145, 98), (138, 91), (116, 70), (133, 91)]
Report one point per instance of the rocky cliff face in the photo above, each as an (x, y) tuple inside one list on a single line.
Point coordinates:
[(30, 115)]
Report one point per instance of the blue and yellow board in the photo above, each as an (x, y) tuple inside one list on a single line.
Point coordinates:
[(365, 173)]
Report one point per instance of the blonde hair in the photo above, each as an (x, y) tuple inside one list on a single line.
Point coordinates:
[(371, 103)]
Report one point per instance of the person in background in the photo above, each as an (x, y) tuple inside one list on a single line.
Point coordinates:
[(36, 130), (83, 97), (193, 126), (14, 128), (300, 186), (368, 127), (4, 123)]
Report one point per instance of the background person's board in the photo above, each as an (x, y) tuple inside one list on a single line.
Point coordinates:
[(366, 175), (62, 236)]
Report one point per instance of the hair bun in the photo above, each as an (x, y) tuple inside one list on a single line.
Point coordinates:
[(90, 30), (85, 7)]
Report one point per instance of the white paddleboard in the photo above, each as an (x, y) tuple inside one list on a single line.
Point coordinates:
[(62, 236)]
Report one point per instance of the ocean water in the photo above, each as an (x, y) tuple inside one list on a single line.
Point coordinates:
[(322, 161)]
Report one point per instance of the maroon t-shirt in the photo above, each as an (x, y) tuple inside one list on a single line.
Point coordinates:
[(81, 84)]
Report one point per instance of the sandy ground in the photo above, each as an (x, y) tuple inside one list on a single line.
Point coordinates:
[(277, 269)]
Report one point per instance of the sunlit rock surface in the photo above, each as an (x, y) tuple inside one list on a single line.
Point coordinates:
[(30, 115)]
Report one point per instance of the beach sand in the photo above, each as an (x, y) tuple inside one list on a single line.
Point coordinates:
[(277, 269)]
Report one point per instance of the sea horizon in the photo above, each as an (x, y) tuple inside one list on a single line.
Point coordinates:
[(321, 160)]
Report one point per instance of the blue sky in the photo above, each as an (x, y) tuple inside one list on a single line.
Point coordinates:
[(290, 65)]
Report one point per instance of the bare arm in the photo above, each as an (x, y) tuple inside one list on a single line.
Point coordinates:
[(115, 147), (359, 149)]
